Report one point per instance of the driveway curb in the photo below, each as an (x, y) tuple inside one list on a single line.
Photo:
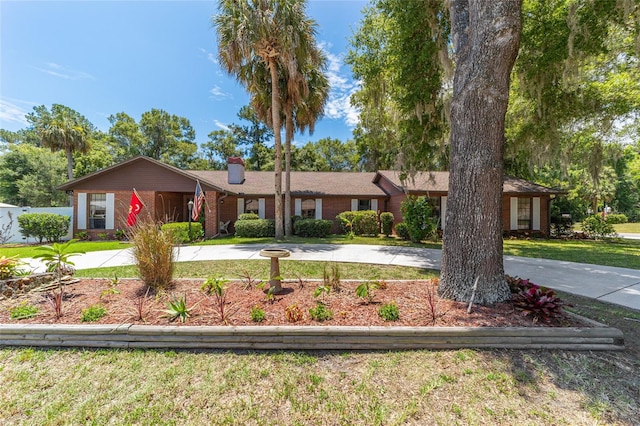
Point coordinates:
[(310, 337)]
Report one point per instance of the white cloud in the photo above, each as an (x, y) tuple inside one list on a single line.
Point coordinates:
[(342, 87), (220, 94), (221, 125), (12, 113), (60, 71)]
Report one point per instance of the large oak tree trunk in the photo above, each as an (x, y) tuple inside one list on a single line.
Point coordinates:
[(486, 37)]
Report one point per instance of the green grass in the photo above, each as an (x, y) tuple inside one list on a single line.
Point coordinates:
[(259, 270), (24, 251), (630, 228)]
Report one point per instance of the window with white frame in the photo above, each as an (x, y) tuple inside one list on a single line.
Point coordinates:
[(252, 205), (308, 209), (97, 211), (524, 213)]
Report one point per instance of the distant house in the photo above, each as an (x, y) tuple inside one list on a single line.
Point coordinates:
[(101, 199)]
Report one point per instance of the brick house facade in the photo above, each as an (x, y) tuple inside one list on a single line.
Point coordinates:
[(101, 199)]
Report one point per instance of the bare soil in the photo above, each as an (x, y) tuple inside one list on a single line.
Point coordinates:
[(417, 301)]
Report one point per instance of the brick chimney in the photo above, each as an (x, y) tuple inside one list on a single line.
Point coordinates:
[(235, 170)]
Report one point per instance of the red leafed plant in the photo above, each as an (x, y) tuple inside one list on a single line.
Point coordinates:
[(539, 302)]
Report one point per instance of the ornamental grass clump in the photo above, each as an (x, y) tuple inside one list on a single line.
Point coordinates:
[(153, 254)]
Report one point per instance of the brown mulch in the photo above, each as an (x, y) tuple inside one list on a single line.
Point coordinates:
[(412, 298)]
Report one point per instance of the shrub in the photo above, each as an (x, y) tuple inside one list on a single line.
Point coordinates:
[(293, 313), (248, 216), (9, 267), (615, 218), (257, 314), (120, 235), (23, 311), (389, 312), (363, 222), (312, 228), (366, 223), (416, 213), (153, 254), (255, 228), (539, 302), (386, 221), (320, 312), (402, 230), (49, 226), (180, 231), (93, 313), (82, 236), (597, 227)]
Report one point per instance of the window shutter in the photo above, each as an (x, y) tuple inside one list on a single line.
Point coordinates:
[(318, 208), (354, 204), (443, 211), (513, 216), (110, 218), (81, 211), (374, 204), (297, 207), (535, 224), (261, 208), (240, 206)]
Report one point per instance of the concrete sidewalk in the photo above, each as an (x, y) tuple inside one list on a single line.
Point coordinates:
[(609, 284)]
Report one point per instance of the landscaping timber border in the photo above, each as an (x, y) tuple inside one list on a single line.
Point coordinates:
[(309, 337)]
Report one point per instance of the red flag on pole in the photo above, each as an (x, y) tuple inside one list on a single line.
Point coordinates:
[(197, 202), (134, 208)]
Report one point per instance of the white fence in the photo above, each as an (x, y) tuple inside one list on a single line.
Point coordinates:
[(14, 232)]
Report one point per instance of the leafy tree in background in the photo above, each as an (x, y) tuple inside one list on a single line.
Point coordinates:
[(29, 176), (62, 129), (221, 145), (255, 139), (326, 155), (126, 135)]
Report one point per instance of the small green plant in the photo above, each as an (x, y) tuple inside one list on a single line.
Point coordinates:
[(55, 298), (23, 310), (112, 289), (257, 314), (269, 294), (103, 236), (321, 291), (366, 290), (293, 313), (9, 267), (93, 313), (332, 278), (139, 306), (120, 234), (82, 236), (389, 312), (56, 257), (215, 286), (247, 278), (178, 309), (320, 312)]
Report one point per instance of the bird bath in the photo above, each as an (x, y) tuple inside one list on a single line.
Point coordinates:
[(275, 281)]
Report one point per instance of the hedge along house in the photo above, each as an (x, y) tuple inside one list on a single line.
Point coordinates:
[(526, 206), (101, 199)]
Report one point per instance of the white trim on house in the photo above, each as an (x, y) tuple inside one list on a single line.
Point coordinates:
[(297, 210), (354, 204), (535, 220), (374, 204), (110, 216), (513, 214), (240, 206), (261, 208), (318, 208), (82, 210), (443, 211)]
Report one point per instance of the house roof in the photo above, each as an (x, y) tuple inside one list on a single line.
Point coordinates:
[(302, 183), (261, 183), (439, 182)]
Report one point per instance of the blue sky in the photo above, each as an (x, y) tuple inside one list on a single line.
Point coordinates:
[(105, 57)]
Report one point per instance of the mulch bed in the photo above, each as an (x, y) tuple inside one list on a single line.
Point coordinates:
[(417, 302)]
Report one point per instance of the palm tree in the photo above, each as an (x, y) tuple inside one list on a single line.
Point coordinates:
[(303, 104), (62, 129), (275, 31)]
